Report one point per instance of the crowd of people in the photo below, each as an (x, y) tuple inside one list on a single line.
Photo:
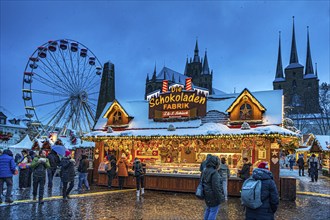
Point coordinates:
[(214, 178), (35, 168)]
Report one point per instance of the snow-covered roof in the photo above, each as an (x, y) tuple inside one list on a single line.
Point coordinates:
[(310, 76), (26, 143), (271, 100), (169, 73), (79, 143), (205, 129), (217, 92), (324, 141), (294, 65), (279, 80)]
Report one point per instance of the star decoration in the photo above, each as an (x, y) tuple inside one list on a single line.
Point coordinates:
[(274, 153)]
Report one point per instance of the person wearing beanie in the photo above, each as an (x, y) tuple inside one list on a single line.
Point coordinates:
[(7, 170), (139, 171), (269, 194), (67, 174), (122, 170)]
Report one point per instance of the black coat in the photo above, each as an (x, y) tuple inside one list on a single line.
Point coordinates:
[(54, 160), (113, 163), (301, 162), (67, 170), (83, 166), (213, 190), (245, 172), (269, 196)]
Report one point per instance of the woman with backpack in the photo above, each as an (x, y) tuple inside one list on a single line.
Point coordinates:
[(111, 169), (268, 195), (213, 190)]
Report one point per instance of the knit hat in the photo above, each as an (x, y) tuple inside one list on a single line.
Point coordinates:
[(67, 153), (123, 155), (263, 165)]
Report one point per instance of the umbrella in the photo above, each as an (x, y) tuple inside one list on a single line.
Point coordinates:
[(59, 149)]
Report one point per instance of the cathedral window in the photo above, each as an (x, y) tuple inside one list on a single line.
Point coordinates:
[(245, 112)]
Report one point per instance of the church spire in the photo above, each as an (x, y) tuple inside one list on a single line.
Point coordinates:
[(294, 54), (154, 74), (206, 69), (309, 63), (186, 67), (196, 56), (147, 77), (279, 67)]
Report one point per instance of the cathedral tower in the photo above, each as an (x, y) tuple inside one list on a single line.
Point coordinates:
[(300, 90)]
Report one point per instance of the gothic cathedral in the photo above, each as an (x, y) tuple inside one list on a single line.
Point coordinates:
[(197, 68), (300, 88)]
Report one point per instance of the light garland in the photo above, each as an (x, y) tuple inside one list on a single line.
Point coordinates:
[(233, 137)]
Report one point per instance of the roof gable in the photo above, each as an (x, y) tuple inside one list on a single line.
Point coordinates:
[(240, 97)]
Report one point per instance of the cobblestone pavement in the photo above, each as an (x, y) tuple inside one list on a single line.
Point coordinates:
[(162, 205)]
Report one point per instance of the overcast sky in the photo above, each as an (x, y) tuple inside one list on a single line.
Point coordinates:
[(241, 38)]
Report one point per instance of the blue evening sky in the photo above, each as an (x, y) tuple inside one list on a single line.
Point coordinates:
[(241, 38)]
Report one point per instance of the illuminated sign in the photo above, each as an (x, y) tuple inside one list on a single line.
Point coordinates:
[(177, 103)]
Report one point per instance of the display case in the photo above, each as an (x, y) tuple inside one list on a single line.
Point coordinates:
[(171, 168)]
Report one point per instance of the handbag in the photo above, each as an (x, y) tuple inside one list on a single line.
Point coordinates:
[(200, 189)]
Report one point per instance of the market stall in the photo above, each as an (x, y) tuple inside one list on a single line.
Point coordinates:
[(167, 133)]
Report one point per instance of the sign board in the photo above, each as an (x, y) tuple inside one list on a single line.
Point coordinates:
[(177, 103)]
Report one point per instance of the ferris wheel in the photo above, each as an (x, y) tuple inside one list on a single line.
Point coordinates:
[(61, 85)]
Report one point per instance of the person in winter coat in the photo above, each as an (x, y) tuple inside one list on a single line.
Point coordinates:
[(112, 171), (18, 158), (291, 162), (213, 190), (39, 166), (245, 171), (67, 174), (122, 170), (269, 195), (83, 172), (203, 164), (54, 161), (24, 170), (314, 166), (139, 171), (301, 164), (7, 170), (225, 174)]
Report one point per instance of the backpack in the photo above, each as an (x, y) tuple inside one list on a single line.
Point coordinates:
[(251, 193)]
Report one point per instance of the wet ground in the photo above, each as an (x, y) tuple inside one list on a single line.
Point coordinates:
[(161, 205)]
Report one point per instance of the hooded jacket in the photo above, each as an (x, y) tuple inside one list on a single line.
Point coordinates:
[(67, 169), (54, 160), (203, 164), (7, 165), (269, 194), (212, 184)]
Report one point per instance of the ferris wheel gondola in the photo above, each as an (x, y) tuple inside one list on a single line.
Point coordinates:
[(61, 83)]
